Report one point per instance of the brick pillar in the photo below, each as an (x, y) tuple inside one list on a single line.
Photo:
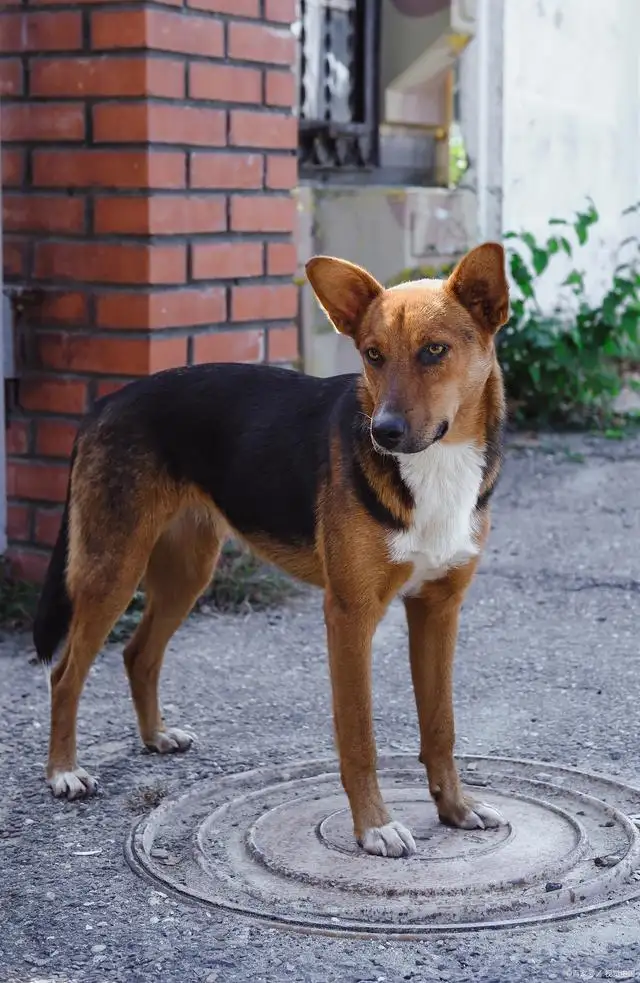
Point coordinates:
[(148, 158)]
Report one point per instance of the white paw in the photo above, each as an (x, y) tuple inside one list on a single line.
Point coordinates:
[(170, 741), (76, 784), (481, 816), (391, 840)]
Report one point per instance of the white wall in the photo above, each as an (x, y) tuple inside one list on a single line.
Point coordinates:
[(571, 117)]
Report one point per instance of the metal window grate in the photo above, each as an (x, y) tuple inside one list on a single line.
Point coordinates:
[(338, 77)]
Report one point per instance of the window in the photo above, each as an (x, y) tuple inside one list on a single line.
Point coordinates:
[(338, 125)]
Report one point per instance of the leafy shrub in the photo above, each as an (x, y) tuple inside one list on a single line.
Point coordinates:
[(565, 367)]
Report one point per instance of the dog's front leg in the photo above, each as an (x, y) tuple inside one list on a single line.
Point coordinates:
[(433, 630), (350, 632)]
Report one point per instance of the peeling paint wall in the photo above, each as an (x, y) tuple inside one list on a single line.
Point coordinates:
[(571, 118)]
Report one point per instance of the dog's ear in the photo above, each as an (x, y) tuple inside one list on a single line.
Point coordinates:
[(480, 284), (343, 289)]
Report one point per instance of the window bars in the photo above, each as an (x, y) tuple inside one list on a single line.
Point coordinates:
[(338, 125)]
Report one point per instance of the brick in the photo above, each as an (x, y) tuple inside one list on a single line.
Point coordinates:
[(280, 89), (109, 169), (14, 256), (12, 164), (42, 213), (46, 526), (262, 213), (17, 437), (101, 262), (102, 76), (159, 123), (82, 3), (161, 215), (43, 31), (256, 129), (282, 172), (110, 386), (42, 121), (220, 170), (110, 356), (226, 260), (283, 11), (53, 395), (162, 308), (229, 83), (158, 30), (11, 81), (259, 42), (239, 8), (282, 259), (37, 482), (18, 522), (283, 344), (259, 302), (66, 307), (167, 353), (229, 346), (54, 438), (28, 564)]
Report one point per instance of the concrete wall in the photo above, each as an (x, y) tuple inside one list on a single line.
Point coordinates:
[(571, 118), (550, 114), (386, 230)]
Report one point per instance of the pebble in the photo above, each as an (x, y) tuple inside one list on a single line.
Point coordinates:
[(609, 861)]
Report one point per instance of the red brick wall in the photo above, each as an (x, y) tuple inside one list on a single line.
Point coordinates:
[(148, 155)]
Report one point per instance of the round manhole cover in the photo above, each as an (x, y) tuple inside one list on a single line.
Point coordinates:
[(276, 844)]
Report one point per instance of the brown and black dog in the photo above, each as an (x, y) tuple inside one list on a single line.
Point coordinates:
[(366, 485)]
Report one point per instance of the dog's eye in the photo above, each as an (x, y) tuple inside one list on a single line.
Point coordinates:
[(373, 355), (432, 353)]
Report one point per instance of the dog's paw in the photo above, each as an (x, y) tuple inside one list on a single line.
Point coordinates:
[(474, 815), (170, 741), (76, 784), (391, 840)]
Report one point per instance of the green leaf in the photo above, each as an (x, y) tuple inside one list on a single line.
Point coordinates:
[(566, 245), (575, 278), (540, 260)]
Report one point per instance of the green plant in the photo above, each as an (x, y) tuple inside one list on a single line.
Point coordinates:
[(421, 273), (241, 583), (566, 366), (18, 600)]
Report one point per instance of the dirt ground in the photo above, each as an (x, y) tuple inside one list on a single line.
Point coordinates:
[(548, 668)]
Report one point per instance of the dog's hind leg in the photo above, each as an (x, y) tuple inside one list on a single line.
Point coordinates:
[(99, 597), (180, 567)]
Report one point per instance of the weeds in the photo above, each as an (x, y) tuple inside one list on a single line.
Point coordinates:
[(242, 583), (567, 367)]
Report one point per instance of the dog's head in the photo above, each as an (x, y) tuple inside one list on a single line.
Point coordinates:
[(427, 345)]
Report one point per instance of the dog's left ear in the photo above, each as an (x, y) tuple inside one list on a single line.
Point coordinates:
[(343, 289), (480, 284)]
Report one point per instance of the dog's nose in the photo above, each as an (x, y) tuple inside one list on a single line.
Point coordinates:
[(388, 429)]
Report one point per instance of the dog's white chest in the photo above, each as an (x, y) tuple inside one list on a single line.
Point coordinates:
[(445, 482)]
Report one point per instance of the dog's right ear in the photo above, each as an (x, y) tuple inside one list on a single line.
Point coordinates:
[(343, 289)]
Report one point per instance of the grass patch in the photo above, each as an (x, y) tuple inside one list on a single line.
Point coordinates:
[(242, 583), (18, 600)]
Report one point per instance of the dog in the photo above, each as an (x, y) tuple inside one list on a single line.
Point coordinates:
[(367, 485)]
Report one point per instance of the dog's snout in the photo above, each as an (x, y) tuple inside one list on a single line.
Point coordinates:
[(389, 429)]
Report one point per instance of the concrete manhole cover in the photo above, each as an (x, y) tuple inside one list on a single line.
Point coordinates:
[(276, 844)]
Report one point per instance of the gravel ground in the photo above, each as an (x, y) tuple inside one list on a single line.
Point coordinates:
[(547, 668)]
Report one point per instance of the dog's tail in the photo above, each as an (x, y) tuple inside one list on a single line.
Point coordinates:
[(53, 615)]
